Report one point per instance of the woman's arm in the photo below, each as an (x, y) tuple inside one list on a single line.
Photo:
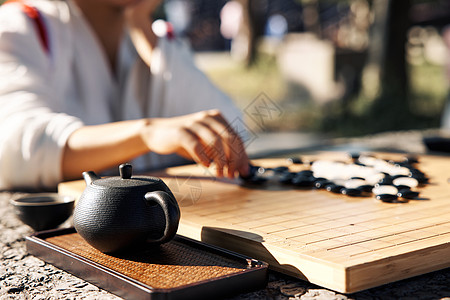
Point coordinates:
[(204, 137), (100, 147)]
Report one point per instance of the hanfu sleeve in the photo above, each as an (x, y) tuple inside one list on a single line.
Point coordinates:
[(32, 131)]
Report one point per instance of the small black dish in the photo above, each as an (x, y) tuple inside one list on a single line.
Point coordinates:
[(43, 211), (437, 143)]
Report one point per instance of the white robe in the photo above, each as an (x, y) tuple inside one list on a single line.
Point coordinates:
[(44, 97)]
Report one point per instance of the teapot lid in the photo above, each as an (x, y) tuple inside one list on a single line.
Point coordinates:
[(126, 180)]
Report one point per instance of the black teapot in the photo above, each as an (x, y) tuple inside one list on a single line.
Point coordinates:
[(114, 213)]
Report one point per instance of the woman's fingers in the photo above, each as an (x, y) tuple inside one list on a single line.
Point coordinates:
[(227, 146), (204, 137), (191, 144), (237, 159), (212, 144)]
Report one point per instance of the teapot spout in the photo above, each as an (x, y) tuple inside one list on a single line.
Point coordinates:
[(90, 177)]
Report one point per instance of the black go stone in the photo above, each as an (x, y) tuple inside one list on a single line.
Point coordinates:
[(421, 179), (281, 169), (411, 159), (386, 180), (321, 179), (295, 160), (335, 188), (262, 170), (306, 173), (286, 178), (398, 176), (252, 177), (402, 187), (354, 155), (407, 194), (252, 171), (416, 172), (366, 188), (322, 183), (419, 175), (389, 198), (256, 180), (351, 192), (303, 180)]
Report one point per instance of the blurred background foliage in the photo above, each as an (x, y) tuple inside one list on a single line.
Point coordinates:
[(340, 67)]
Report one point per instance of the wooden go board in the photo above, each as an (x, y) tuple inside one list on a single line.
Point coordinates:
[(343, 243)]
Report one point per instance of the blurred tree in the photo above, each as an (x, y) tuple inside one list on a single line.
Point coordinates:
[(385, 82), (254, 20), (311, 18)]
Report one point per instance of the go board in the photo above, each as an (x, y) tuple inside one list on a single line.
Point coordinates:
[(343, 243)]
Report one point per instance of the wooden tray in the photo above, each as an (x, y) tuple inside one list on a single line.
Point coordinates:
[(180, 269), (343, 243)]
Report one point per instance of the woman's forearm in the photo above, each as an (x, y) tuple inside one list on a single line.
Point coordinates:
[(100, 147), (205, 137)]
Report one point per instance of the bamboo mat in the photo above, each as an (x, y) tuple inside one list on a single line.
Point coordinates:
[(169, 266)]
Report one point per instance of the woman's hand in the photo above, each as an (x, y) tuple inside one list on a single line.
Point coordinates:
[(139, 21), (204, 137)]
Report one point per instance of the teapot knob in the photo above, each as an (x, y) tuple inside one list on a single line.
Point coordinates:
[(125, 171)]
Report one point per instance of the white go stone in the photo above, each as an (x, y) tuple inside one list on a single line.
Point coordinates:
[(328, 169), (339, 181), (375, 178), (354, 183), (385, 189), (409, 181), (396, 170), (368, 160), (382, 166)]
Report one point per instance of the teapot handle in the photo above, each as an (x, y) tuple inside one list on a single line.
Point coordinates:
[(171, 212)]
